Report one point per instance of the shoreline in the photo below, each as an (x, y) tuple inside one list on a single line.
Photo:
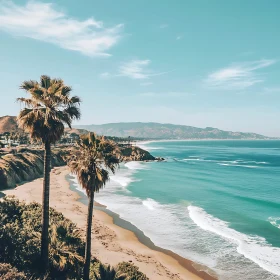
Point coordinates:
[(198, 140), (145, 240), (114, 239)]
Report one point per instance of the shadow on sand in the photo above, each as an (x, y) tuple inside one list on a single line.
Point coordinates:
[(2, 195)]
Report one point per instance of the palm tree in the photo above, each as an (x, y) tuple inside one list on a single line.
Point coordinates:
[(108, 273), (48, 108), (91, 162)]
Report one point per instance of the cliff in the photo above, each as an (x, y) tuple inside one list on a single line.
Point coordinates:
[(135, 153), (22, 164), (25, 165)]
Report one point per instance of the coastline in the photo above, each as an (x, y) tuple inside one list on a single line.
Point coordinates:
[(114, 239), (144, 142)]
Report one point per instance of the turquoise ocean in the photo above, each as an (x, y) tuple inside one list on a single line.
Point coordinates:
[(214, 202)]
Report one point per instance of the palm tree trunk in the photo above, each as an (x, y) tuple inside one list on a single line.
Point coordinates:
[(88, 237), (45, 213)]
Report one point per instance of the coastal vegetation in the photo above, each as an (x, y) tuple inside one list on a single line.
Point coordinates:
[(21, 164), (46, 111), (20, 247), (36, 241), (91, 163), (26, 164)]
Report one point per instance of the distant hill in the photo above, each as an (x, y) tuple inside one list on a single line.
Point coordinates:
[(145, 130), (166, 131), (8, 124)]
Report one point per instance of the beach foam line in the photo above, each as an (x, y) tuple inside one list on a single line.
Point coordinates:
[(254, 248), (150, 204), (123, 181)]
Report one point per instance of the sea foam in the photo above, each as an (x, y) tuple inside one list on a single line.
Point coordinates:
[(150, 204), (275, 221), (254, 248)]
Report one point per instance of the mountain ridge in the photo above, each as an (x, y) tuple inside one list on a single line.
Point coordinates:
[(147, 130), (153, 130)]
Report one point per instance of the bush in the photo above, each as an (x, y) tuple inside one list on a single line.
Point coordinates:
[(101, 271), (20, 236), (131, 271), (7, 272)]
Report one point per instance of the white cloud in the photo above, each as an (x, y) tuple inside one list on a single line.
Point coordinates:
[(179, 37), (238, 75), (41, 21), (135, 69), (138, 69)]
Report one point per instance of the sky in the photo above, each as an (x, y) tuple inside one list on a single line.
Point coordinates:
[(193, 62)]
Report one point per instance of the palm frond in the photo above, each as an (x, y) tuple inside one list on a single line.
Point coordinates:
[(45, 81), (48, 109), (28, 85), (92, 161)]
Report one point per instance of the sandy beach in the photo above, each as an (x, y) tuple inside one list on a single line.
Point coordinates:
[(110, 243)]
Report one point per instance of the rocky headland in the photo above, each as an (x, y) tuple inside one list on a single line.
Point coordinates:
[(23, 164)]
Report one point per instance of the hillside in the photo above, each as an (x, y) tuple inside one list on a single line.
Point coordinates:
[(166, 131), (145, 130), (23, 164), (8, 124)]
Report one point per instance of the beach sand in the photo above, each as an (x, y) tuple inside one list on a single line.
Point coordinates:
[(111, 243)]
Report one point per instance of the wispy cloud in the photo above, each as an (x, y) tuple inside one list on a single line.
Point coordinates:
[(179, 37), (164, 25), (138, 69), (41, 21), (239, 75)]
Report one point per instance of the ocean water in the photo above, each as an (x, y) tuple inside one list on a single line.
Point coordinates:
[(214, 202)]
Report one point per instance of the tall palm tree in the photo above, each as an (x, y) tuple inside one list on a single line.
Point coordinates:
[(91, 162), (46, 111)]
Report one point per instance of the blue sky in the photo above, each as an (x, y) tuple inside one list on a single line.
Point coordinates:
[(201, 63)]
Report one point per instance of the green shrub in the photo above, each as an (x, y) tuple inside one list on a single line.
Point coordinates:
[(20, 238), (131, 271), (7, 272), (101, 271), (20, 235)]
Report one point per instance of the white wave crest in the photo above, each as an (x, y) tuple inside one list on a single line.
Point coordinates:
[(150, 204), (134, 165), (274, 221), (254, 248), (121, 180), (238, 165)]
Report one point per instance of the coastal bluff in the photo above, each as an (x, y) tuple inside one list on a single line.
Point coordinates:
[(21, 165), (134, 153), (24, 164)]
